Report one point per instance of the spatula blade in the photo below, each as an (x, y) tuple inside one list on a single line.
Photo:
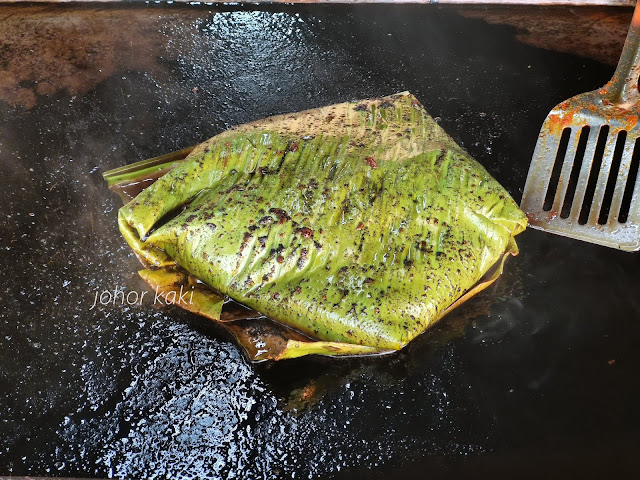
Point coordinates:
[(587, 193)]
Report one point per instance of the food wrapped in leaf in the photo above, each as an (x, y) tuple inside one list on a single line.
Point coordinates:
[(351, 228)]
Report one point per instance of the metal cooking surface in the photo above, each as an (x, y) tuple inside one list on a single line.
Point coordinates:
[(539, 374)]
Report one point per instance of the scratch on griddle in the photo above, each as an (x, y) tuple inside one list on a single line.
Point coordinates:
[(53, 257), (92, 228)]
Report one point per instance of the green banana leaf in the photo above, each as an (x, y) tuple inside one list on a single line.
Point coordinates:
[(351, 228)]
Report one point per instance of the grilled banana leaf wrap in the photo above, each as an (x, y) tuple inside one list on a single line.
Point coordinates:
[(352, 228)]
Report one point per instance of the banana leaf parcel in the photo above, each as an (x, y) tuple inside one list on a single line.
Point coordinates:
[(350, 228)]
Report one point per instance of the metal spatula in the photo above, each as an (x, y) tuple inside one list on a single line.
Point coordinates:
[(583, 180)]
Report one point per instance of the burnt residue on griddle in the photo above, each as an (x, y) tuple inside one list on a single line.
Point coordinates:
[(47, 50), (596, 33)]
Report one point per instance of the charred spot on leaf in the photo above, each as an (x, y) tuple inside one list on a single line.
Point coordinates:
[(303, 258), (408, 263), (281, 214), (266, 220), (439, 159), (424, 247), (263, 240), (277, 250), (245, 240), (385, 104), (191, 218), (304, 232), (368, 281), (362, 107)]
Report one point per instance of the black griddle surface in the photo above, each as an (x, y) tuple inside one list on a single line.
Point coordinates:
[(539, 375)]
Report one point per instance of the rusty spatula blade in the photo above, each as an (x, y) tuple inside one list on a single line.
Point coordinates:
[(583, 180)]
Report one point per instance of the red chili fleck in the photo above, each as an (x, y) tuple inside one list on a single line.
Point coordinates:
[(228, 144), (360, 226), (294, 147), (371, 162), (305, 232), (280, 259)]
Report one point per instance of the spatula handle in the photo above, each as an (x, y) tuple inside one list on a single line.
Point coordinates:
[(623, 87)]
